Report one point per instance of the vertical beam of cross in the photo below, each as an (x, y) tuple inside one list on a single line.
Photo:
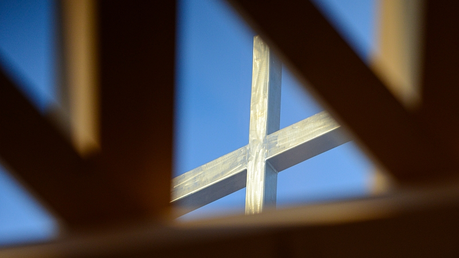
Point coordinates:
[(264, 119)]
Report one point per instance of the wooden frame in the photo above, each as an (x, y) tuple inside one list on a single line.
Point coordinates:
[(137, 51)]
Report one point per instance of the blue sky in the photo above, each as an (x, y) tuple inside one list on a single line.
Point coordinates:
[(214, 65), (27, 44)]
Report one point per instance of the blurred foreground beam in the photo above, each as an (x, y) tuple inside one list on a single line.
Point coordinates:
[(137, 71), (418, 222), (79, 88), (397, 59), (440, 80), (34, 149), (357, 98)]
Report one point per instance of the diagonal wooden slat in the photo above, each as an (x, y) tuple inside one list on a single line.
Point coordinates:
[(36, 151), (227, 174), (357, 98)]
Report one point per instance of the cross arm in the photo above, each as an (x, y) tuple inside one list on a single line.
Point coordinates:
[(210, 181), (304, 140), (228, 173)]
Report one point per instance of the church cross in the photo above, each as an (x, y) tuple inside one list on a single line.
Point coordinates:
[(270, 150)]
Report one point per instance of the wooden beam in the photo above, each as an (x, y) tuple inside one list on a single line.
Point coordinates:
[(137, 74), (78, 74), (419, 222), (356, 97), (36, 151), (397, 57), (440, 91)]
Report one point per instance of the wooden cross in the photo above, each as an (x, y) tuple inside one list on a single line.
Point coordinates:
[(270, 150)]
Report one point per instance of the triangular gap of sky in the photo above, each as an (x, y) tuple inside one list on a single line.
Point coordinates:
[(356, 21), (22, 219), (27, 44), (26, 54), (214, 65)]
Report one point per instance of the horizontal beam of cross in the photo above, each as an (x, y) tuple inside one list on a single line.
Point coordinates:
[(211, 181), (304, 140), (227, 174)]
